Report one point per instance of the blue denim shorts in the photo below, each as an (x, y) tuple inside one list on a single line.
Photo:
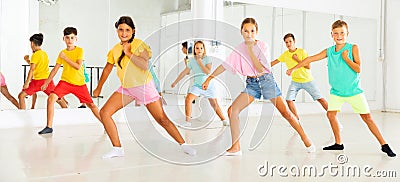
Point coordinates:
[(264, 85), (309, 87)]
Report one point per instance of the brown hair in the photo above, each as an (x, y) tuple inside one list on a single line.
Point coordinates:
[(200, 42), (338, 24), (249, 20), (287, 36)]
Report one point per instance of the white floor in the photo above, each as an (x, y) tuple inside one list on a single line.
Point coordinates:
[(73, 153)]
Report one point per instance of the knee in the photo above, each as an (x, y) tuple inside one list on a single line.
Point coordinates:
[(104, 113), (287, 114), (233, 113), (22, 95), (164, 122), (331, 115), (52, 98), (188, 100)]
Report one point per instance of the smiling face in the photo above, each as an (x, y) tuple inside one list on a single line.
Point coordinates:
[(199, 49), (249, 32), (125, 32), (339, 35)]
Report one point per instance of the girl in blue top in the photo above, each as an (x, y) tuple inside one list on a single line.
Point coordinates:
[(344, 77), (200, 64)]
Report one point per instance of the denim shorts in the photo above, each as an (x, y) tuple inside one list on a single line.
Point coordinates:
[(264, 85), (309, 87)]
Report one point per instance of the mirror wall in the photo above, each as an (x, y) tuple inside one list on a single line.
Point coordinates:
[(96, 34)]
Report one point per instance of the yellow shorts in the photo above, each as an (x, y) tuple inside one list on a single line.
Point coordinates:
[(358, 103)]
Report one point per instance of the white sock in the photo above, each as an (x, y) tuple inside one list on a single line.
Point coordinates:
[(115, 152), (311, 148), (188, 150)]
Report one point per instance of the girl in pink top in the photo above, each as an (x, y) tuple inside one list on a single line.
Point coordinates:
[(4, 91), (251, 59)]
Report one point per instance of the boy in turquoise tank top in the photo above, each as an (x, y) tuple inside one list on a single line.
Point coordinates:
[(344, 77)]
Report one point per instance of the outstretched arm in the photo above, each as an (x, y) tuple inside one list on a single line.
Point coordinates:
[(51, 76), (104, 75), (220, 69), (355, 66), (180, 76), (308, 66), (307, 61), (273, 63)]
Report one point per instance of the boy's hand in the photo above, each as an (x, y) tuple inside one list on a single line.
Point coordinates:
[(295, 57), (96, 92), (62, 55), (26, 57), (289, 72), (345, 54), (44, 86), (26, 85)]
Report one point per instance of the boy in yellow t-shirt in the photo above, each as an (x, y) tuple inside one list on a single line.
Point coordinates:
[(72, 78), (301, 78), (38, 73)]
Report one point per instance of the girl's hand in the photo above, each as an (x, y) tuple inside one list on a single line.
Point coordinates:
[(295, 57), (289, 72), (96, 92), (173, 85), (205, 85), (127, 48)]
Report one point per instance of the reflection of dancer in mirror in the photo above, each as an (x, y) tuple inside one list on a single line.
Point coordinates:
[(344, 67), (200, 64), (132, 56), (38, 73), (251, 59), (186, 61), (301, 78), (5, 92), (72, 78)]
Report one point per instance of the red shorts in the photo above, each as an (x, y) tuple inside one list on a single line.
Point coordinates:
[(34, 86), (63, 88)]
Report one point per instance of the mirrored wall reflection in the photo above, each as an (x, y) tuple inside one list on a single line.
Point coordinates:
[(312, 32)]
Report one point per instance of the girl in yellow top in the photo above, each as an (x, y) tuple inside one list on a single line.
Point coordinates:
[(132, 58), (38, 73)]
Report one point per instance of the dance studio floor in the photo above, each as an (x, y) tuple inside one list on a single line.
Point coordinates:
[(74, 153)]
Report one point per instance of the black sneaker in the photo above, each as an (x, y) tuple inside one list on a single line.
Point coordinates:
[(387, 150), (334, 147), (82, 106), (194, 102), (46, 130)]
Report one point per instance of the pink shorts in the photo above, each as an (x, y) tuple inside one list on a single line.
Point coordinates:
[(2, 80), (144, 94)]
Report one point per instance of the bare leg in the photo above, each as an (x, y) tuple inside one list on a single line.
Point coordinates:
[(241, 102), (50, 109), (367, 118), (292, 108), (285, 112), (4, 91), (21, 98), (323, 103), (157, 111), (113, 104), (34, 98), (62, 102), (335, 126), (95, 110), (188, 106), (217, 109)]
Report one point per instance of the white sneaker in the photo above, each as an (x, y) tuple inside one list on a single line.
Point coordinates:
[(225, 123), (311, 148), (188, 150), (187, 124), (238, 153), (115, 152)]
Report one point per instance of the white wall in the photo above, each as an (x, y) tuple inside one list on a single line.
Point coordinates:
[(392, 46)]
